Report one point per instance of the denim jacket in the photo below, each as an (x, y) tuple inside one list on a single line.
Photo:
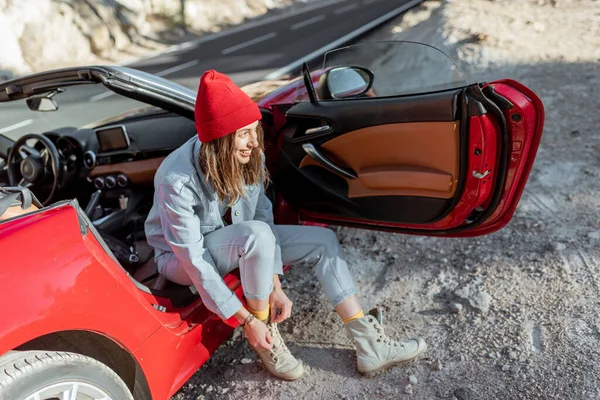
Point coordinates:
[(186, 208)]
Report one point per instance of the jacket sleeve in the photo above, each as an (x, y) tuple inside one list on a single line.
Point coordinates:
[(181, 228), (264, 212)]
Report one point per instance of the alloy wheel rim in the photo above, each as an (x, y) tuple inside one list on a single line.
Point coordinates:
[(69, 390)]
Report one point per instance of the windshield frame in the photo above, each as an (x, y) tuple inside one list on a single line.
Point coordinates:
[(134, 84)]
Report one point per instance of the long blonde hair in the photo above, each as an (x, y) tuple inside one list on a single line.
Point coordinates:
[(227, 175)]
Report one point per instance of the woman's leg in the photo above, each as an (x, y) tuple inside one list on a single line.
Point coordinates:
[(349, 308), (374, 349), (251, 246), (248, 245), (252, 242), (305, 243)]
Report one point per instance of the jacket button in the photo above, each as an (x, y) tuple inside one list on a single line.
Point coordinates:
[(237, 213)]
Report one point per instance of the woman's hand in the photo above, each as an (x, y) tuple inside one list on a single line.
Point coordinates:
[(279, 301), (258, 335)]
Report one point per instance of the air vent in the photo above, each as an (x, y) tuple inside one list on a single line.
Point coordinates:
[(89, 159), (122, 180)]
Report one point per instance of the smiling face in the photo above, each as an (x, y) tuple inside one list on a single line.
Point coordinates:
[(235, 160), (246, 140)]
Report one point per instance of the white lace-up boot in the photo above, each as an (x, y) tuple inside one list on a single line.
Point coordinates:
[(375, 350), (279, 361)]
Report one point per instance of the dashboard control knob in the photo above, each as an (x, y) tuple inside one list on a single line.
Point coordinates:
[(89, 159), (99, 183), (111, 181), (122, 180)]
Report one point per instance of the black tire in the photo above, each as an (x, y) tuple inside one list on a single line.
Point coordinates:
[(22, 373)]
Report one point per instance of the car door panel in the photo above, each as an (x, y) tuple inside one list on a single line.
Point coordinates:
[(403, 155), (398, 159)]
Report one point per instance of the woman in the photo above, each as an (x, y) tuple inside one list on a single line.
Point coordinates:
[(211, 215)]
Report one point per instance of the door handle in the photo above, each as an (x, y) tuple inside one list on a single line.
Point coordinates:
[(319, 129), (312, 151)]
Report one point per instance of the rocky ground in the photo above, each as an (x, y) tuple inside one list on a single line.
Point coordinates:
[(512, 315)]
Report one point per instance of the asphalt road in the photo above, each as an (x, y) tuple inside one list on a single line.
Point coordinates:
[(267, 48)]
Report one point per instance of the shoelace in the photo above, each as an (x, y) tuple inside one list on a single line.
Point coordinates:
[(385, 338), (282, 348)]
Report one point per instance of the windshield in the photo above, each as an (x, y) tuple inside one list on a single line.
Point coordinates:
[(396, 68), (77, 106)]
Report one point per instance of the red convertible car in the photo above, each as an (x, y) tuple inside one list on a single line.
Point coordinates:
[(386, 136)]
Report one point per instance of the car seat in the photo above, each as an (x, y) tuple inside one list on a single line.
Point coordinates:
[(15, 201)]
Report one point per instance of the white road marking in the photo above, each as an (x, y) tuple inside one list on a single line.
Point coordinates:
[(16, 126), (249, 43), (345, 9), (162, 73), (295, 65), (177, 68), (308, 22), (367, 2), (236, 29)]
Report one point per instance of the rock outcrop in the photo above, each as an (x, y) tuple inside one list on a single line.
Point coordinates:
[(41, 34)]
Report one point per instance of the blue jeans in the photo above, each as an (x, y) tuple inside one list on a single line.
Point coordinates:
[(250, 246)]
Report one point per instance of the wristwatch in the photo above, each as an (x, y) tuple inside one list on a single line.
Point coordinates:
[(248, 319)]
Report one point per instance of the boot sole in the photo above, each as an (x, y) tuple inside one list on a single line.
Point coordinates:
[(375, 371)]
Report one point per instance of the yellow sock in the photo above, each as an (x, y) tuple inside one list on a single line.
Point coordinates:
[(358, 315), (262, 315)]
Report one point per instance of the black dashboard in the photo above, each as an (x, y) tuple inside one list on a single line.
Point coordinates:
[(146, 137), (108, 152)]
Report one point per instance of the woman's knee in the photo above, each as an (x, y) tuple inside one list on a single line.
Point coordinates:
[(329, 240), (258, 232), (259, 229)]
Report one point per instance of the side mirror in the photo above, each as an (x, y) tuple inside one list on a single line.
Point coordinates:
[(42, 104), (343, 82)]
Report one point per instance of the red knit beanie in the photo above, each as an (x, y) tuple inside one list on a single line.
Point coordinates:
[(222, 107)]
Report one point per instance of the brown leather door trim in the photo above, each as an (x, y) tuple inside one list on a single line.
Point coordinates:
[(138, 172), (404, 159), (407, 178), (15, 211)]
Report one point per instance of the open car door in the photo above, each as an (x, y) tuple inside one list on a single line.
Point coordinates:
[(394, 138)]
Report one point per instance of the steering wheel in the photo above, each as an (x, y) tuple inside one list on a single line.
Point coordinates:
[(28, 167)]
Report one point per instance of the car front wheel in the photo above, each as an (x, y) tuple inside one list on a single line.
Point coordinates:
[(46, 375)]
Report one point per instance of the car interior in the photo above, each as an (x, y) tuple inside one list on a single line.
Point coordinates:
[(109, 170), (106, 170)]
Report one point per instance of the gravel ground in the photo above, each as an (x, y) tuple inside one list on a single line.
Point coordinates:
[(512, 315)]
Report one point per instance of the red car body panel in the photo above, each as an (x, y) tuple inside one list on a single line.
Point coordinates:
[(525, 137), (74, 288), (80, 287)]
